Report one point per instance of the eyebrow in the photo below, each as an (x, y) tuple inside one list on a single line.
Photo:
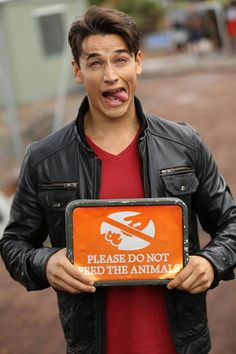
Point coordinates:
[(93, 55)]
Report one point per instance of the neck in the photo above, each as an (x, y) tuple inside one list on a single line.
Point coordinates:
[(111, 134)]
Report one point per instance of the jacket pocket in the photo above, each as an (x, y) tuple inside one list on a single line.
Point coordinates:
[(56, 196), (179, 181), (53, 198)]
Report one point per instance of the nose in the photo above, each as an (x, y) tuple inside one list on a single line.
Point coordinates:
[(110, 74)]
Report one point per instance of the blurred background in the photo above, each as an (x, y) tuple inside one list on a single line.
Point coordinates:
[(189, 74)]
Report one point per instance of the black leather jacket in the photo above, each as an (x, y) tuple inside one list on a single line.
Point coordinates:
[(62, 167)]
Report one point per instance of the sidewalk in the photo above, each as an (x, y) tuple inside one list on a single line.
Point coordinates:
[(185, 63)]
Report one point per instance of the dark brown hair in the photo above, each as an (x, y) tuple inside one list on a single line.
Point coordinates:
[(99, 20)]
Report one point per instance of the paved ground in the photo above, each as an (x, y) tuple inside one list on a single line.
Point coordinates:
[(205, 99)]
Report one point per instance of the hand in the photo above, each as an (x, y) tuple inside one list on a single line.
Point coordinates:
[(64, 276), (196, 277)]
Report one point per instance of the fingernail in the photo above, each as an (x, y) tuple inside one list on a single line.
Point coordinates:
[(93, 290)]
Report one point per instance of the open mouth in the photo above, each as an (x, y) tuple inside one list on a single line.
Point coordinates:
[(118, 94)]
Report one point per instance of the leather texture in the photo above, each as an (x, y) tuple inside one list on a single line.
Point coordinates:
[(62, 167)]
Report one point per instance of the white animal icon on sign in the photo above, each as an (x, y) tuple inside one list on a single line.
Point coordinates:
[(128, 230)]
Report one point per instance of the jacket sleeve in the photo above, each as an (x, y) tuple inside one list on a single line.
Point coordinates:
[(216, 210), (22, 246)]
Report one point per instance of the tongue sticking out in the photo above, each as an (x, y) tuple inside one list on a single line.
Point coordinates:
[(118, 95), (121, 95)]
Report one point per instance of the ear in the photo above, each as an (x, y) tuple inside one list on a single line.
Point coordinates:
[(77, 72), (138, 62)]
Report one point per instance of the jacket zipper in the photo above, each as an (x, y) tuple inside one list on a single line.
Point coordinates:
[(96, 178), (146, 185), (58, 185), (175, 170)]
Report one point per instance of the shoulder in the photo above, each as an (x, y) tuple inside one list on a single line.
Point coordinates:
[(53, 143), (179, 133)]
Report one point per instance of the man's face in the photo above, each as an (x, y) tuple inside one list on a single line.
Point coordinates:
[(108, 72)]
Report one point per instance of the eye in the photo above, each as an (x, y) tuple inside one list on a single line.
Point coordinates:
[(121, 60), (95, 64)]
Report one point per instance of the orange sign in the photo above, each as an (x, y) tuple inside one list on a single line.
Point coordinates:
[(127, 241)]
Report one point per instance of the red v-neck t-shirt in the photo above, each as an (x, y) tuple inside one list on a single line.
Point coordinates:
[(136, 316)]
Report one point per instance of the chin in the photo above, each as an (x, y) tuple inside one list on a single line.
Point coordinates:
[(117, 112)]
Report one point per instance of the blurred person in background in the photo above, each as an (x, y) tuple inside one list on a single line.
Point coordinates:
[(198, 35), (230, 17), (115, 150), (179, 36)]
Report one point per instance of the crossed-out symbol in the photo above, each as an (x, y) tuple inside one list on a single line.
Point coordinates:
[(128, 230)]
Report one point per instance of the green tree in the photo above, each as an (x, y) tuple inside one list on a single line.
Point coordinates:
[(147, 13), (95, 2)]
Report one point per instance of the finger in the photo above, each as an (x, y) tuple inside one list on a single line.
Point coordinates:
[(180, 278), (71, 270), (66, 288), (75, 289), (67, 283), (198, 289), (79, 285), (76, 274), (200, 285), (190, 283), (195, 281), (193, 284)]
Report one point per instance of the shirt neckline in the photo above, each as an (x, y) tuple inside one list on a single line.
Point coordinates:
[(101, 153)]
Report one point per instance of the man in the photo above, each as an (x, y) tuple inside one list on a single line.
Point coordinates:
[(113, 150)]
